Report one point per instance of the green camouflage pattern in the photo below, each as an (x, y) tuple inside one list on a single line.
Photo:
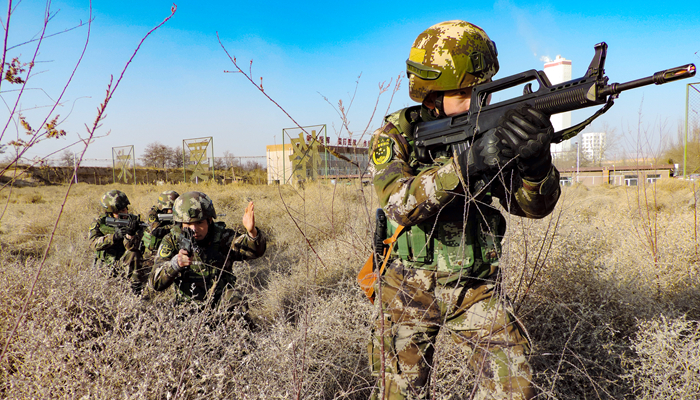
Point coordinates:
[(445, 267), (193, 207), (411, 192), (157, 230), (459, 53), (123, 258), (210, 277), (114, 201), (416, 305), (166, 200)]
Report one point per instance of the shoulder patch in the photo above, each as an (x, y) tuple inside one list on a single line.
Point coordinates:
[(166, 250), (152, 218), (95, 225), (384, 151)]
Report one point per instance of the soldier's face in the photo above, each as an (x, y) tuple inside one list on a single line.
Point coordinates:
[(200, 228), (124, 210), (457, 101)]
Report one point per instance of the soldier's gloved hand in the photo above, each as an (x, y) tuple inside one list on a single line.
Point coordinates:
[(528, 133), (133, 243), (118, 235), (132, 227), (486, 154)]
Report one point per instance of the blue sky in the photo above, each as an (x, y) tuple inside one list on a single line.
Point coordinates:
[(307, 52)]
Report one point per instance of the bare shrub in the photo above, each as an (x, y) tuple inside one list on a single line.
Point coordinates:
[(587, 288), (667, 362)]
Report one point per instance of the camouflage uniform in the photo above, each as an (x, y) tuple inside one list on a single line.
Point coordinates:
[(123, 257), (210, 277), (445, 270), (158, 229)]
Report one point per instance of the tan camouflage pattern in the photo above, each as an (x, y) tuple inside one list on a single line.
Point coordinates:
[(447, 47), (452, 248), (123, 258), (193, 207), (416, 305), (114, 201), (167, 199), (210, 277), (157, 230), (411, 192)]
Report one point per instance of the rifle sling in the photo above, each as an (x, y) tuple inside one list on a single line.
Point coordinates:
[(390, 242), (568, 133)]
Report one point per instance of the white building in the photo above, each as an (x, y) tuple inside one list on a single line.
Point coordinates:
[(558, 71), (593, 145)]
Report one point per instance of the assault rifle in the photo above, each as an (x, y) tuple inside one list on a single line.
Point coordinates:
[(187, 242), (590, 90), (124, 221), (165, 217), (169, 217)]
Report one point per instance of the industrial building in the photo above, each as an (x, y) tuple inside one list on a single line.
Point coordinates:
[(317, 158)]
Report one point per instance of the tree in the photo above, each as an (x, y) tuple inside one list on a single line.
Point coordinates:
[(157, 155), (175, 160), (674, 153), (67, 159)]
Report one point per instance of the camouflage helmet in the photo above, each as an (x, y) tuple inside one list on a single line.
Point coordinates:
[(167, 199), (114, 201), (448, 56), (193, 207)]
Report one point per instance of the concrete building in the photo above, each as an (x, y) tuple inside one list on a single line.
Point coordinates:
[(593, 146), (558, 71), (309, 159), (626, 175)]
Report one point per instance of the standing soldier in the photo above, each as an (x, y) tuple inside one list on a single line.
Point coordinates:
[(197, 255), (118, 247), (445, 270)]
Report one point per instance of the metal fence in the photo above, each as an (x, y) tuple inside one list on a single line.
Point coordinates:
[(692, 120)]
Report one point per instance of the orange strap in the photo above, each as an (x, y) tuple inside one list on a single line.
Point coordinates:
[(367, 276)]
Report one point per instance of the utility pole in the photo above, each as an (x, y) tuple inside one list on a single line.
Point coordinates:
[(578, 156)]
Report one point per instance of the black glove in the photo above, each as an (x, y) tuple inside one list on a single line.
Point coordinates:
[(118, 235), (528, 133), (132, 226), (486, 154)]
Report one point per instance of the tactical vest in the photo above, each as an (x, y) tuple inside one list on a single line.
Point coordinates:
[(203, 274), (113, 253), (447, 242)]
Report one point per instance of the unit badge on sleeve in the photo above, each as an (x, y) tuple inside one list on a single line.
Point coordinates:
[(384, 151)]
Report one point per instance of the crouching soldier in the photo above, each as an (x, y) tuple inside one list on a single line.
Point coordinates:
[(197, 255), (160, 221), (115, 237)]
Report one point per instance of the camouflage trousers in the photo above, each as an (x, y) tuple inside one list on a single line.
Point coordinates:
[(416, 306)]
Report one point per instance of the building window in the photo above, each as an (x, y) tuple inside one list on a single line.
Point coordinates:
[(651, 178), (631, 180)]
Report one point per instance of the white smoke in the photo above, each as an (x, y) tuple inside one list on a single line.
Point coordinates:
[(545, 59)]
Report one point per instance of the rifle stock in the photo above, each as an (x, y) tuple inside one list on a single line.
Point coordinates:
[(590, 90)]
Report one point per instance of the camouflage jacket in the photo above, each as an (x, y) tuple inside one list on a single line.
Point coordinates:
[(449, 231), (211, 271), (102, 242), (157, 230)]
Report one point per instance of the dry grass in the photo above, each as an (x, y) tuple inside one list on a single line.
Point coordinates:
[(608, 287)]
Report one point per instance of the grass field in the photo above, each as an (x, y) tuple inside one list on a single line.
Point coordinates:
[(608, 287)]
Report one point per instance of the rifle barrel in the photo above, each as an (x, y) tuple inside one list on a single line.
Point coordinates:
[(659, 78)]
